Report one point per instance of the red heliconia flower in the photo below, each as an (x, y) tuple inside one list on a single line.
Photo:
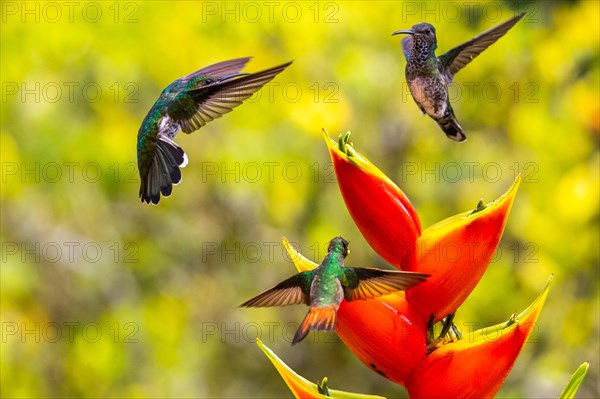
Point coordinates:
[(389, 334), (477, 365), (383, 334), (379, 208), (456, 252)]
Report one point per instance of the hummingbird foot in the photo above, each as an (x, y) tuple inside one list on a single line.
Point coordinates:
[(455, 333), (448, 329), (446, 324), (430, 334)]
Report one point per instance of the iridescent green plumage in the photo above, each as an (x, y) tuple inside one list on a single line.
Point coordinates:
[(186, 105), (324, 288)]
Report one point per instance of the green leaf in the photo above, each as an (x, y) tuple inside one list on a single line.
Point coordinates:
[(576, 380)]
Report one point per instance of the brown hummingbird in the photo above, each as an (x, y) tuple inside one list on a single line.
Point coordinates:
[(429, 76)]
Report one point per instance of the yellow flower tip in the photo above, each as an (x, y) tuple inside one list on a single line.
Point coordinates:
[(530, 313), (264, 348), (515, 186), (509, 196), (300, 386), (343, 148), (512, 190), (331, 144), (302, 264), (533, 310), (283, 369), (538, 303), (505, 202), (349, 154), (488, 335)]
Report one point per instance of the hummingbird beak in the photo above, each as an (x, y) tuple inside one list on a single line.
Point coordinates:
[(403, 32)]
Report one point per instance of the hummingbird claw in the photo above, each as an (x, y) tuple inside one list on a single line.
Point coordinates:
[(456, 332), (448, 328), (430, 328), (448, 322), (432, 346)]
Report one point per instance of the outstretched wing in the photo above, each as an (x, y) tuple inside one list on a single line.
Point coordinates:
[(196, 107), (455, 59), (407, 45), (363, 283), (294, 290), (220, 68)]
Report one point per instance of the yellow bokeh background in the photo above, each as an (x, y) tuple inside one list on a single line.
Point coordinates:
[(102, 296)]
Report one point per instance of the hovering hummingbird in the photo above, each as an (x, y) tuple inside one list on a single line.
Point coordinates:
[(323, 288), (187, 104), (428, 76)]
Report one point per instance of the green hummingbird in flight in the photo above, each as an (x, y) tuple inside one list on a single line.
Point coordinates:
[(186, 105), (429, 76), (324, 288)]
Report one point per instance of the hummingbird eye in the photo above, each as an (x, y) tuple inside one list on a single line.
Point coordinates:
[(208, 81)]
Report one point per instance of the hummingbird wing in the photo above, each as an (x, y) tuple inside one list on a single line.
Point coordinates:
[(216, 99), (220, 68), (294, 290), (363, 283), (407, 45), (454, 60)]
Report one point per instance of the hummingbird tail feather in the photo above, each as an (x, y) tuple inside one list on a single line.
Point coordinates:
[(164, 171), (451, 127), (318, 318)]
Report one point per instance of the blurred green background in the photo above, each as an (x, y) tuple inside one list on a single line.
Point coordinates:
[(102, 296)]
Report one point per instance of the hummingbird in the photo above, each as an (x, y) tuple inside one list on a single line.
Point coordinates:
[(429, 76), (324, 288), (186, 105)]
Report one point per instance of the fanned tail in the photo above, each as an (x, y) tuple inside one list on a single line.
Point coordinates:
[(164, 171), (318, 318), (451, 127)]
